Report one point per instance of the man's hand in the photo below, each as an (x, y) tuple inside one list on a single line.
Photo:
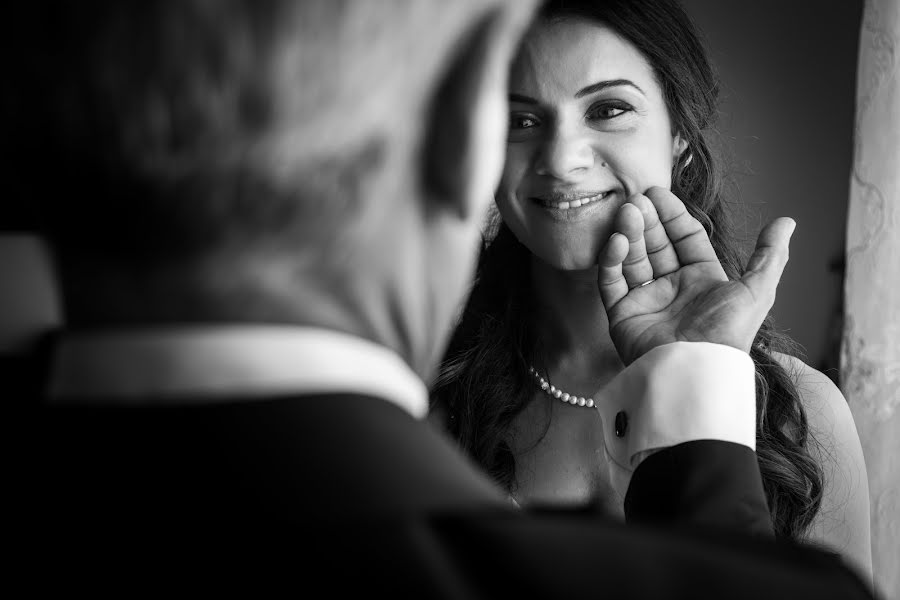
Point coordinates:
[(661, 281)]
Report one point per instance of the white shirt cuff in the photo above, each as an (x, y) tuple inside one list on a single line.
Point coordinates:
[(676, 393)]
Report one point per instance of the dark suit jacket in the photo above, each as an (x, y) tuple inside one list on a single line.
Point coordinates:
[(363, 498)]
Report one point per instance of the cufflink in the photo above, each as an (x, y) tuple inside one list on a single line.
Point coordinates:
[(621, 423)]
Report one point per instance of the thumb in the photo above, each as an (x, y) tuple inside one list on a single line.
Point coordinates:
[(769, 259)]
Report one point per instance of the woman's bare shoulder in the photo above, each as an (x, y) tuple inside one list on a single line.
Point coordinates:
[(826, 408), (822, 400), (810, 382), (827, 411), (843, 519)]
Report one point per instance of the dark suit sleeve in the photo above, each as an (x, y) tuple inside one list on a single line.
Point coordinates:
[(709, 483)]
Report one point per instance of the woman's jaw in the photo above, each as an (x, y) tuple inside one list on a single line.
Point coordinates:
[(563, 236)]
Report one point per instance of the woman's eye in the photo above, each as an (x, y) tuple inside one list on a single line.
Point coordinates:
[(522, 121), (604, 112)]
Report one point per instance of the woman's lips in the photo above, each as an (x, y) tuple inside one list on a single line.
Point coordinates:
[(570, 201)]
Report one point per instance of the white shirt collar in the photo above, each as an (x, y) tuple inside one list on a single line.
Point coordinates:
[(212, 363)]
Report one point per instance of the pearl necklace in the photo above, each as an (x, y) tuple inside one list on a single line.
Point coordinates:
[(558, 393)]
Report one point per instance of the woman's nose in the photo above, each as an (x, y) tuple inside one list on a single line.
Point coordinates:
[(564, 155)]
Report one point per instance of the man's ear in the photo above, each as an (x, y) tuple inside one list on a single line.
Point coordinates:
[(465, 135)]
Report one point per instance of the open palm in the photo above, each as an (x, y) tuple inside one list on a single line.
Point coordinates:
[(661, 280)]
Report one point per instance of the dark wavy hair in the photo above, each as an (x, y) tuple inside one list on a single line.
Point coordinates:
[(484, 381)]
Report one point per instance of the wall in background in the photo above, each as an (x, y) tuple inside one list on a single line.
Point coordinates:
[(788, 75), (871, 345)]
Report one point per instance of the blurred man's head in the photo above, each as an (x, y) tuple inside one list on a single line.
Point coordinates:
[(318, 162)]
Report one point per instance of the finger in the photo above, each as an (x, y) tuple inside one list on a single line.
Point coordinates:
[(610, 280), (636, 267), (687, 235), (659, 248), (766, 264)]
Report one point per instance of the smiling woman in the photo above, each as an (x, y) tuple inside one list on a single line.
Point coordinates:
[(609, 101), (597, 128)]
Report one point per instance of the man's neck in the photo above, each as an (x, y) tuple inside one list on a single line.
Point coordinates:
[(266, 290)]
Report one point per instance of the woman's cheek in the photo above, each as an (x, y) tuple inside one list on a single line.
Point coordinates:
[(514, 172), (639, 170)]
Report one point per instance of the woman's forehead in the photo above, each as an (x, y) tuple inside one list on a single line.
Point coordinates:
[(561, 57)]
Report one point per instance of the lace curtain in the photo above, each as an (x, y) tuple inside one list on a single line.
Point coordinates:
[(870, 355)]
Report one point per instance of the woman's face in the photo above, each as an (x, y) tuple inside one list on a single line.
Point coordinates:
[(588, 128)]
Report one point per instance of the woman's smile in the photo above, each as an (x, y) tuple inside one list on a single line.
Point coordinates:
[(572, 206)]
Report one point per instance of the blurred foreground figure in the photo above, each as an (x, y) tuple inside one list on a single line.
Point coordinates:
[(265, 216)]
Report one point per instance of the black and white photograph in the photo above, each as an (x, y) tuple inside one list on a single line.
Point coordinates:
[(452, 298)]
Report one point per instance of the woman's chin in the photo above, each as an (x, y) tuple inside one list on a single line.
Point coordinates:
[(580, 264), (574, 261)]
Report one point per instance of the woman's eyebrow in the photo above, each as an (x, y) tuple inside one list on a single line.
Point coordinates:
[(602, 85), (591, 89), (522, 99)]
